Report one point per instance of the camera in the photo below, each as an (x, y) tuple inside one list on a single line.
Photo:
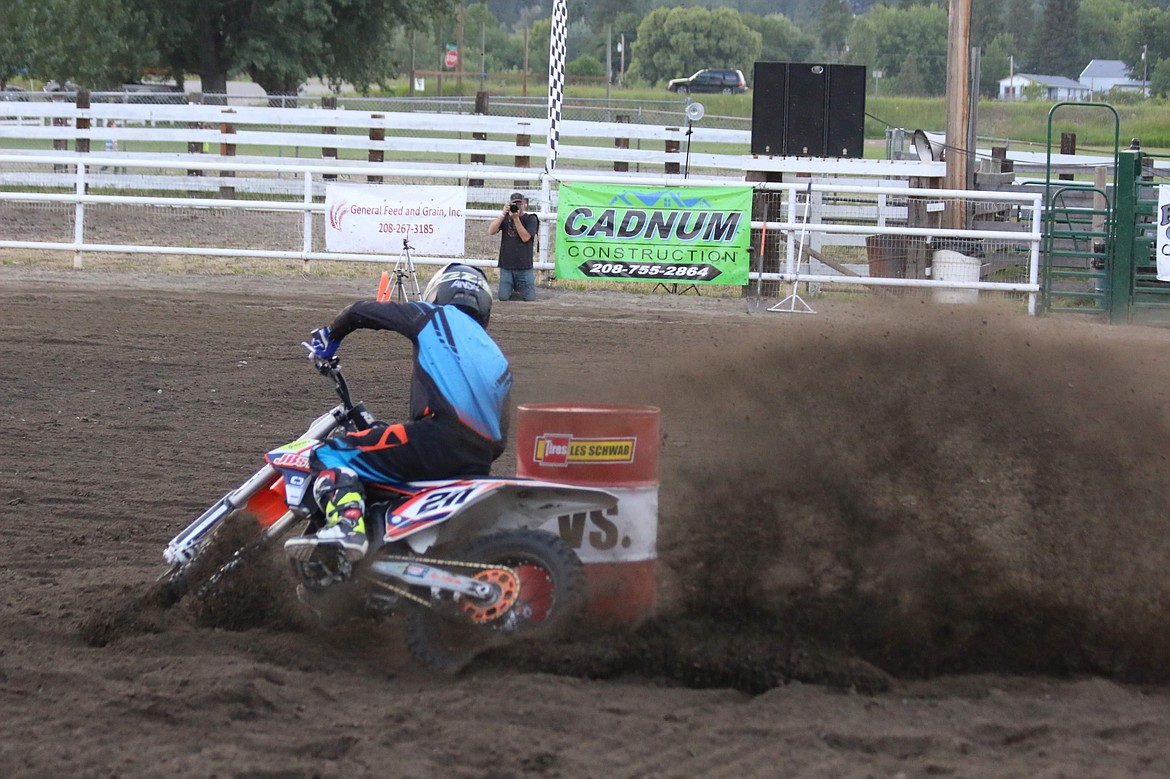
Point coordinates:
[(513, 207)]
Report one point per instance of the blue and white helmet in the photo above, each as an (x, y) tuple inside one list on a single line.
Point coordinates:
[(463, 286)]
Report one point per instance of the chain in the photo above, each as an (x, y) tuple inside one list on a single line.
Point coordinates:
[(429, 561)]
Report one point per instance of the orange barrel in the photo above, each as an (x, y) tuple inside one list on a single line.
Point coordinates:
[(614, 447)]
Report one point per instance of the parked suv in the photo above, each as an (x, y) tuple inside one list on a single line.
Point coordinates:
[(710, 80)]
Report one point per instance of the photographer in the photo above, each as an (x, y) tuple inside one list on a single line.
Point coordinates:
[(517, 228)]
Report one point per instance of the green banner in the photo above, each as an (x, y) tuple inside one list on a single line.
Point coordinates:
[(689, 235)]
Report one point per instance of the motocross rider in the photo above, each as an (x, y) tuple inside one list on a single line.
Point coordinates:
[(459, 402)]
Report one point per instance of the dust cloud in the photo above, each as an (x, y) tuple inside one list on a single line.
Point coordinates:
[(956, 491)]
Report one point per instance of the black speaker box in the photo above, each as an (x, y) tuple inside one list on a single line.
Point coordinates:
[(808, 110), (845, 127), (769, 98), (808, 92)]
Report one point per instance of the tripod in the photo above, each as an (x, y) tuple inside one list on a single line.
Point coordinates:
[(403, 270), (789, 303)]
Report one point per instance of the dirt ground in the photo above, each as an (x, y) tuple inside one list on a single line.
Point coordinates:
[(897, 540)]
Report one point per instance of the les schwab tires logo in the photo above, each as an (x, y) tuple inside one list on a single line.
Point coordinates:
[(559, 450)]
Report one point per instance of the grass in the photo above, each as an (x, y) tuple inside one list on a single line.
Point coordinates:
[(1022, 122)]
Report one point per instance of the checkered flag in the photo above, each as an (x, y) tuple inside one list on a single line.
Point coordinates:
[(556, 79)]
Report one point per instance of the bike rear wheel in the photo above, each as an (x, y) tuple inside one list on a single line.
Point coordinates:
[(551, 597)]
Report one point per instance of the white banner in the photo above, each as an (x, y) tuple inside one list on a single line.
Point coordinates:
[(379, 218), (1163, 241)]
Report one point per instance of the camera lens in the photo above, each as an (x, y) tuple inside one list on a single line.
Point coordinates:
[(513, 207)]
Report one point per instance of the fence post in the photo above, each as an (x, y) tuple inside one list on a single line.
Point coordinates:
[(227, 150), (523, 161), (672, 147), (377, 135), (83, 123), (1068, 145), (329, 153), (477, 159), (60, 144), (999, 155), (621, 166), (195, 147)]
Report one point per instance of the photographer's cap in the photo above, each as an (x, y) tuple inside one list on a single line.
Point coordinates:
[(515, 197)]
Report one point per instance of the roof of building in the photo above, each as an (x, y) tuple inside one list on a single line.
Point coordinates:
[(1106, 69), (1052, 81)]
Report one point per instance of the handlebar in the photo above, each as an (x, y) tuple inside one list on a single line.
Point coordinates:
[(331, 367)]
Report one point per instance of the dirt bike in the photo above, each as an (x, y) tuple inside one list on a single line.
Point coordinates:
[(466, 558)]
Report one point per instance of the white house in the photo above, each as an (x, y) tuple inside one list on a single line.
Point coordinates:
[(1100, 76), (1020, 85)]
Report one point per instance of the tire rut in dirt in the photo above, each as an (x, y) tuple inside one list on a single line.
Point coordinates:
[(745, 657)]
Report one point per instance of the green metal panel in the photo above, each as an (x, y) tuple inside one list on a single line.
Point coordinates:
[(1070, 249), (1121, 275), (1145, 299)]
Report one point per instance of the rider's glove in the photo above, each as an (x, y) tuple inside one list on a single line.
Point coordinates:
[(321, 345)]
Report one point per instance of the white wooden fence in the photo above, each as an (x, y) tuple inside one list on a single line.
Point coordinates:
[(265, 160), (339, 134)]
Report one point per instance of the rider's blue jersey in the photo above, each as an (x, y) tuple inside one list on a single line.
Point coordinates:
[(459, 372)]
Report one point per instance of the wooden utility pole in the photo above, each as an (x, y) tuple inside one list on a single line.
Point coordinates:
[(459, 47), (958, 107)]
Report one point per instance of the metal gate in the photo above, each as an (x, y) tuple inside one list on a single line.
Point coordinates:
[(1079, 227), (1143, 299), (1098, 253)]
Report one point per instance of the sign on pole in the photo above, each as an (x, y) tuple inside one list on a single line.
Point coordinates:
[(377, 218), (1163, 242), (691, 235)]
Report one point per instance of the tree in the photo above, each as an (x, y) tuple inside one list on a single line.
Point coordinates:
[(538, 40), (499, 50), (1160, 79), (281, 43), (579, 40), (15, 42), (602, 12), (833, 23), (585, 65), (676, 42), (1145, 31), (1100, 27), (910, 79), (996, 63), (895, 39), (107, 43), (1054, 49), (987, 20), (1021, 22), (782, 40)]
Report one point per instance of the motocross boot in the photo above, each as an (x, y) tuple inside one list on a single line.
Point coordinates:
[(339, 492)]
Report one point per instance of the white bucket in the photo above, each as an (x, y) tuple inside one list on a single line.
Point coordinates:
[(950, 265)]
